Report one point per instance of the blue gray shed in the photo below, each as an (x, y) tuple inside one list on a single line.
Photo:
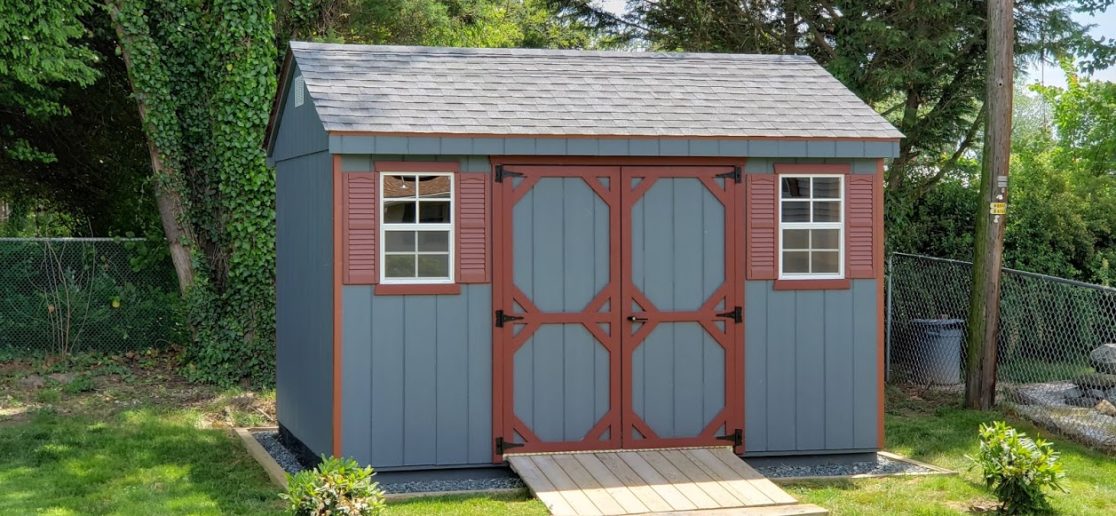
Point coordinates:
[(485, 250)]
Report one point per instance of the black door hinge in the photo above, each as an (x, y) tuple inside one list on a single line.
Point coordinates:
[(501, 173), (503, 446), (502, 318), (736, 314), (735, 175), (737, 437)]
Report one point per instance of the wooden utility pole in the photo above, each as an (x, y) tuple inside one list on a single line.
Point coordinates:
[(984, 306)]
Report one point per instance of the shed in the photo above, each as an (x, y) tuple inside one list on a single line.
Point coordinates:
[(484, 250)]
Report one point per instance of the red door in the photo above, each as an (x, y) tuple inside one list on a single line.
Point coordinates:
[(616, 308)]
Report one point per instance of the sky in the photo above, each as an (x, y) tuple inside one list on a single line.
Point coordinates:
[(1105, 26)]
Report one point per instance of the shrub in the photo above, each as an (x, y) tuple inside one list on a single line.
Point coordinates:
[(1017, 468), (336, 486)]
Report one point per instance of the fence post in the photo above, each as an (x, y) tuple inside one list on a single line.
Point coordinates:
[(887, 330)]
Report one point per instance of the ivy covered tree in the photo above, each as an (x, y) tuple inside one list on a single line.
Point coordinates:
[(203, 74)]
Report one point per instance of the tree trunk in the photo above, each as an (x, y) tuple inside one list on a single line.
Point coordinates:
[(984, 305), (168, 199)]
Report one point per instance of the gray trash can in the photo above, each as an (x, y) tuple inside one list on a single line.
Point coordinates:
[(937, 353)]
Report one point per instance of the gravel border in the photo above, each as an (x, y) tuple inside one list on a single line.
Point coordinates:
[(879, 467), (287, 460)]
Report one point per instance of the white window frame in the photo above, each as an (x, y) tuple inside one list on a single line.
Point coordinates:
[(839, 226), (417, 226)]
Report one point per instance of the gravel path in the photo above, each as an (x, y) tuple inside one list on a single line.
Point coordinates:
[(881, 466), (287, 460)]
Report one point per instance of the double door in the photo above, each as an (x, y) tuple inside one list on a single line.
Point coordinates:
[(617, 310)]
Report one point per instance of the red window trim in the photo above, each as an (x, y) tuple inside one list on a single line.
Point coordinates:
[(812, 168), (418, 289), (812, 284)]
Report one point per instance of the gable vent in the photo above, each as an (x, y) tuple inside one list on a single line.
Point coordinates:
[(299, 86)]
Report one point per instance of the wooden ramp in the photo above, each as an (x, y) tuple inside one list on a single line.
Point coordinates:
[(697, 480)]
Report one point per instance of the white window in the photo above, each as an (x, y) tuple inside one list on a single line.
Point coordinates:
[(811, 227), (416, 228)]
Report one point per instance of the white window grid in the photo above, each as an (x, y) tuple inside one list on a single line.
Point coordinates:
[(839, 225), (417, 226)]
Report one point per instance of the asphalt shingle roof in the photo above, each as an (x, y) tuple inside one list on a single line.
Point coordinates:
[(393, 89)]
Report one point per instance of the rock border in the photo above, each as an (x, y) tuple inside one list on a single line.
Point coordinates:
[(934, 471), (278, 475)]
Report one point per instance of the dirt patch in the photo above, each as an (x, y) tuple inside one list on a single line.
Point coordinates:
[(101, 386)]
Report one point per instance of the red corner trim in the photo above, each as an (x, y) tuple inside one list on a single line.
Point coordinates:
[(813, 168)]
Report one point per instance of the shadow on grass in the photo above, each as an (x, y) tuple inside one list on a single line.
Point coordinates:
[(139, 462)]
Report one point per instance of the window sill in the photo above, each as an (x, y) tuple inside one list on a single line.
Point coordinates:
[(812, 284), (417, 289)]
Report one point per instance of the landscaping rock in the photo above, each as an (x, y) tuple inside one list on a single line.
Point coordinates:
[(1110, 393), (1096, 393), (1096, 381), (1106, 407), (1103, 358), (1084, 401), (32, 381), (1072, 393)]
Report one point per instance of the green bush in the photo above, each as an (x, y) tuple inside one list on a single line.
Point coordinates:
[(336, 486), (1017, 468)]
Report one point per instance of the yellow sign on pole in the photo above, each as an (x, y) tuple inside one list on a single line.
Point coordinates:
[(998, 208)]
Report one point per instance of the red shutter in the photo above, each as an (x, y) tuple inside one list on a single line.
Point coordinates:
[(358, 235), (861, 240), (763, 229), (473, 198)]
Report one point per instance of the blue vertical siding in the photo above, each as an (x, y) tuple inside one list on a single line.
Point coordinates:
[(417, 386), (300, 131), (810, 369), (304, 297)]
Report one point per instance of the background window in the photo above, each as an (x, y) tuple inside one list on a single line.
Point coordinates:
[(811, 226), (417, 228)]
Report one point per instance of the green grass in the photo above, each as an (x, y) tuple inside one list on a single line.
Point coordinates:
[(938, 432), (468, 506), (138, 462), (1033, 370)]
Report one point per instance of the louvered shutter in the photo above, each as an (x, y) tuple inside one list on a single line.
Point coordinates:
[(473, 237), (863, 201), (763, 227), (359, 228)]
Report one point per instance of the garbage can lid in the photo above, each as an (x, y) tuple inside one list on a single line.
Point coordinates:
[(941, 323)]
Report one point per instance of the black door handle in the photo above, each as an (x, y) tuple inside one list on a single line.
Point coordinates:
[(633, 318)]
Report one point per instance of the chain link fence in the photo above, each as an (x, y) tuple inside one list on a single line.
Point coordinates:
[(1056, 364), (72, 295)]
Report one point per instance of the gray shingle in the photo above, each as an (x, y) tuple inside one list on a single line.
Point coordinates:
[(501, 92)]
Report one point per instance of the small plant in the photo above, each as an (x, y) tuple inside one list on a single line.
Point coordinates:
[(1017, 468), (336, 486), (81, 383)]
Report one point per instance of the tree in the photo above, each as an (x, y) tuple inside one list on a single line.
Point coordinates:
[(203, 75)]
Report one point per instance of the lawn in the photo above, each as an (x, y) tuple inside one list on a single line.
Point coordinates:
[(128, 436)]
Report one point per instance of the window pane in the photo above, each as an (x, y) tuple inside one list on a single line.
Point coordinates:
[(398, 187), (434, 187), (796, 187), (825, 262), (825, 238), (433, 241), (399, 212), (434, 212), (827, 188), (433, 266), (796, 239), (399, 241), (827, 211), (796, 211), (399, 265), (796, 262)]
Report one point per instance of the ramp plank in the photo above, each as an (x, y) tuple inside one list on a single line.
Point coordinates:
[(678, 481)]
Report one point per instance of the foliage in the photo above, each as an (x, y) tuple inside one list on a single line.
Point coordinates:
[(206, 125), (1018, 469), (335, 486)]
